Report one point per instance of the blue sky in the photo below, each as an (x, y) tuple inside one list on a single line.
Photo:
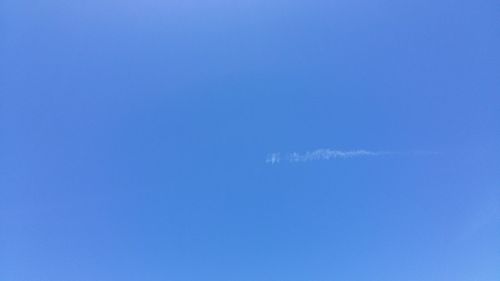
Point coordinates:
[(134, 137)]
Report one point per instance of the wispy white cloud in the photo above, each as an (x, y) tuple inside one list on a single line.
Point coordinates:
[(321, 154), (273, 158)]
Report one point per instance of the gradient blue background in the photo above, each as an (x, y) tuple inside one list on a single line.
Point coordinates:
[(133, 138)]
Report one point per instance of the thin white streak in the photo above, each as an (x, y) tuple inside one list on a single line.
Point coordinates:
[(321, 154), (327, 154)]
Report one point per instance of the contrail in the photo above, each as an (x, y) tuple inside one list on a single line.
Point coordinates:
[(321, 154)]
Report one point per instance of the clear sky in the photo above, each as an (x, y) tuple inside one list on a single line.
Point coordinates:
[(134, 137)]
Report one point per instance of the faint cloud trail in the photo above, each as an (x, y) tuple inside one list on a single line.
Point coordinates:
[(321, 154)]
